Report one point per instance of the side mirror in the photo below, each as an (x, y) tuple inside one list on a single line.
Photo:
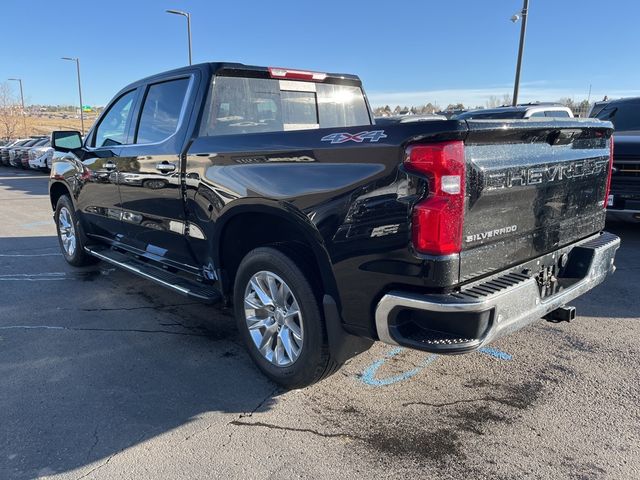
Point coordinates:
[(66, 141)]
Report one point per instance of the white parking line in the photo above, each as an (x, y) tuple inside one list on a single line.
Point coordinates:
[(37, 224), (30, 279), (29, 254), (29, 327), (22, 177), (33, 277)]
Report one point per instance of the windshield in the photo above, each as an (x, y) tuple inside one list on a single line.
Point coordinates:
[(624, 116)]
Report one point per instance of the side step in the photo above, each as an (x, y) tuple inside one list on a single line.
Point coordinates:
[(177, 283)]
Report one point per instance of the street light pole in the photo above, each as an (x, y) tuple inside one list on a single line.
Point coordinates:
[(523, 31), (24, 121), (187, 15), (77, 60)]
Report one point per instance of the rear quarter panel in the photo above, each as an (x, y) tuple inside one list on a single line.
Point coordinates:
[(352, 195)]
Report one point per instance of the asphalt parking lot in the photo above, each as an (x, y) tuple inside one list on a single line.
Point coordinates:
[(103, 376)]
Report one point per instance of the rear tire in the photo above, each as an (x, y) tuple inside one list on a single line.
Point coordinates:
[(70, 234), (275, 307)]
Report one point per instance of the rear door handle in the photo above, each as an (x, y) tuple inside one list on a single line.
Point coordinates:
[(166, 167)]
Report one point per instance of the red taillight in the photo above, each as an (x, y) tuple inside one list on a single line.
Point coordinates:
[(608, 189), (290, 74), (437, 220)]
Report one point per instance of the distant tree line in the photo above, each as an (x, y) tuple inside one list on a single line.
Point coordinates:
[(579, 108)]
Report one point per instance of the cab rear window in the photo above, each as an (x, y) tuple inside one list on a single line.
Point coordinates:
[(252, 105)]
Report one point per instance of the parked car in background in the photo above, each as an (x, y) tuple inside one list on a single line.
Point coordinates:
[(15, 152), (40, 156), (624, 197), (25, 152), (596, 107), (4, 150), (408, 119), (528, 110)]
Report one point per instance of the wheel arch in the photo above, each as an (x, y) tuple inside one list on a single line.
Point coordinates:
[(248, 225), (57, 190)]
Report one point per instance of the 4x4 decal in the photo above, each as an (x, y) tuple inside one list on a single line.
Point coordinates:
[(372, 136)]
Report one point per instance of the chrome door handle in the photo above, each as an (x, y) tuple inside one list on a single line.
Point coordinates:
[(109, 166), (166, 167)]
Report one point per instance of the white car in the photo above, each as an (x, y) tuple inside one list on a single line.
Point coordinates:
[(527, 110), (40, 157)]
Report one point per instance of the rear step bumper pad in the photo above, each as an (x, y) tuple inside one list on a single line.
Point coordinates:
[(464, 321)]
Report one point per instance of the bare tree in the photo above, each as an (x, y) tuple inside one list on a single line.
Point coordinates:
[(496, 101), (493, 101), (9, 112)]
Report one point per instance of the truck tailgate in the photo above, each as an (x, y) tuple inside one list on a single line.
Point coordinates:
[(531, 188)]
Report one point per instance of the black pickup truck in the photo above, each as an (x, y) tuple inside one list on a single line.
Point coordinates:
[(623, 202), (273, 190)]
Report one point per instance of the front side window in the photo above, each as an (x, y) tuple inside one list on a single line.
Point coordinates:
[(112, 128), (161, 110), (253, 105)]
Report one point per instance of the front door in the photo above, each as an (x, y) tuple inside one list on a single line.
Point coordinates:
[(98, 199)]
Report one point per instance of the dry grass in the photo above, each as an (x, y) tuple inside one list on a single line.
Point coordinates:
[(43, 125)]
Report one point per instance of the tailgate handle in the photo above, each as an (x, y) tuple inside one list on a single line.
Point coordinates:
[(563, 137)]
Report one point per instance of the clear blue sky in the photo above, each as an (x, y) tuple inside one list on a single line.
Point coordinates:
[(406, 52)]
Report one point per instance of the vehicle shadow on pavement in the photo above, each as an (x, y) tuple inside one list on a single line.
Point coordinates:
[(29, 182), (618, 296), (91, 368)]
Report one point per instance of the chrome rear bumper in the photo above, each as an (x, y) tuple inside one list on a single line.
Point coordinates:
[(464, 321)]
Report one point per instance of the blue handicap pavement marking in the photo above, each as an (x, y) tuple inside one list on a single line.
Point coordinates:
[(369, 376), (494, 352)]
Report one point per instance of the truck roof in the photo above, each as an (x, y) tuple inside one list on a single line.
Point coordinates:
[(618, 100), (239, 69)]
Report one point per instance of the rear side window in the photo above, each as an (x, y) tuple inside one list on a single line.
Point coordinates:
[(537, 115), (557, 113), (252, 105), (112, 128), (161, 110), (624, 116)]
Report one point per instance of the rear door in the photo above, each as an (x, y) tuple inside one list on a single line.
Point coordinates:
[(150, 173)]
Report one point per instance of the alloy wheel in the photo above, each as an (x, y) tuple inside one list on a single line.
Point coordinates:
[(67, 231), (273, 318)]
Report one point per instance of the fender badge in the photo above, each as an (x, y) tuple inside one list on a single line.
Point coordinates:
[(372, 136)]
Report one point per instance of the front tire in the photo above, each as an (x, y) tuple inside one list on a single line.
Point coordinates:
[(279, 319), (70, 234)]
